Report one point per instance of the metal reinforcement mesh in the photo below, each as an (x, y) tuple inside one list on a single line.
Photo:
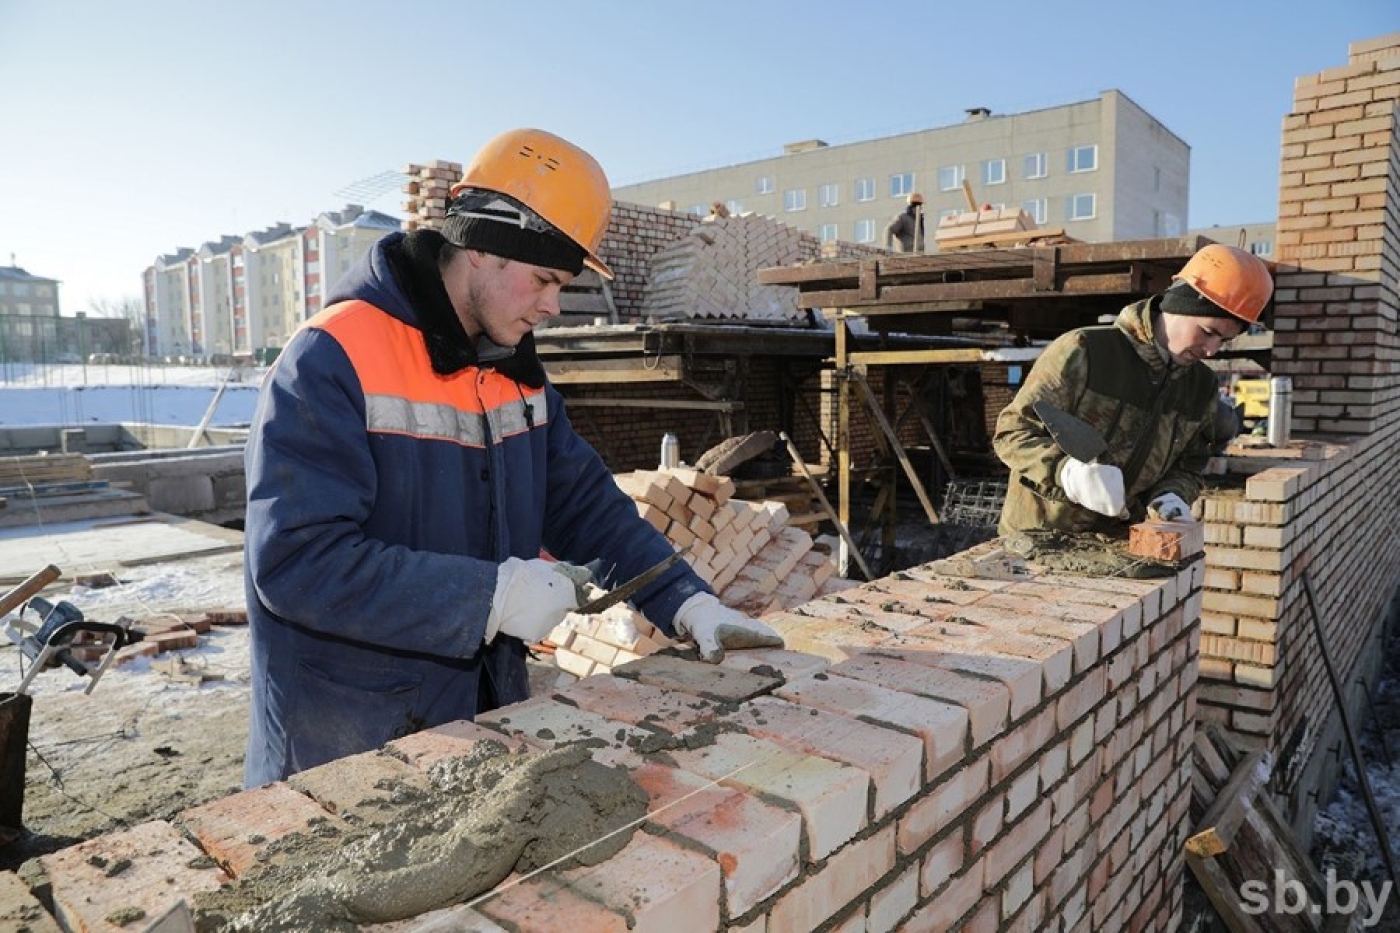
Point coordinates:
[(974, 502)]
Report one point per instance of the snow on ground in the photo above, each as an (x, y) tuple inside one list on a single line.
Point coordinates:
[(72, 395)]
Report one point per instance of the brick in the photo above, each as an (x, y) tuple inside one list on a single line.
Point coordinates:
[(949, 904), (844, 878), (656, 884), (544, 723), (542, 903), (943, 806), (890, 904), (236, 830), (1166, 540), (790, 665), (942, 727), (147, 867), (667, 711), (1017, 844), (893, 760), (831, 797), (354, 786), (698, 678), (458, 919), (20, 911), (757, 846), (1021, 678), (451, 740), (987, 702)]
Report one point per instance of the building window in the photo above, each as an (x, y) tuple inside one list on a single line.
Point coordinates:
[(1262, 247), (1082, 159), (901, 184), (1038, 208), (948, 212), (865, 189), (826, 233), (697, 209), (865, 231), (994, 172), (1079, 207), (828, 195), (736, 207), (795, 200), (950, 177), (765, 184), (1034, 165)]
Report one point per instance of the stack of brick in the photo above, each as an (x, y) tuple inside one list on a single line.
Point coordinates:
[(712, 273), (959, 755), (746, 551), (986, 221), (426, 191), (755, 562)]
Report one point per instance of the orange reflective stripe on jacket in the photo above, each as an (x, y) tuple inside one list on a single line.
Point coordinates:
[(403, 395)]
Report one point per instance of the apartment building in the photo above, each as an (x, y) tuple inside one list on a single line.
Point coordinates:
[(28, 315), (243, 297), (1102, 169)]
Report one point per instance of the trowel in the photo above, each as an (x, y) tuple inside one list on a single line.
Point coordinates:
[(1076, 437)]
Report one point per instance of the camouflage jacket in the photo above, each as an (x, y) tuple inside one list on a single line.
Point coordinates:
[(1157, 419)]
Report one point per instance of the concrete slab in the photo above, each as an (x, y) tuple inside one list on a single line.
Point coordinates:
[(132, 542)]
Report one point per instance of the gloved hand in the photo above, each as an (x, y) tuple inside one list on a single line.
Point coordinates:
[(1096, 486), (715, 627), (531, 598), (1171, 508)]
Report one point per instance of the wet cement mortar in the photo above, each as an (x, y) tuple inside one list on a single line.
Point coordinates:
[(485, 815), (1087, 555)]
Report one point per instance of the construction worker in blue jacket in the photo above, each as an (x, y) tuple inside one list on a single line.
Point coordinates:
[(409, 462)]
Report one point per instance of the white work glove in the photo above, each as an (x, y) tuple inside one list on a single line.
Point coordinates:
[(531, 598), (1171, 508), (715, 627), (1096, 486)]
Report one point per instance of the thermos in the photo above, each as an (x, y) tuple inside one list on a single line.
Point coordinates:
[(670, 452), (1280, 410)]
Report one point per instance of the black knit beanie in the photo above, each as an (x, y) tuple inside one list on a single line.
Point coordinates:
[(499, 224), (1182, 298)]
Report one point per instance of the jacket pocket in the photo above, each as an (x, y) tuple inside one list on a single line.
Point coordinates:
[(340, 710)]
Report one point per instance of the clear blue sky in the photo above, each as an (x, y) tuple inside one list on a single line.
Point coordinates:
[(137, 127)]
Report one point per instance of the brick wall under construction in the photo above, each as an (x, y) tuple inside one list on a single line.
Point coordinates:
[(1326, 508)]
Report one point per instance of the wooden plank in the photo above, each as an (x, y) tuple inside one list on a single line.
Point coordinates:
[(1246, 841), (873, 404), (650, 369), (658, 403), (1000, 289), (904, 357)]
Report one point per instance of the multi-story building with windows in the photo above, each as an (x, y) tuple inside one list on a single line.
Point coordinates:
[(28, 315), (243, 296), (1103, 169)]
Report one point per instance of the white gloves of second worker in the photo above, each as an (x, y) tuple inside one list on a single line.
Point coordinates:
[(531, 598), (1170, 507), (1096, 486), (715, 627)]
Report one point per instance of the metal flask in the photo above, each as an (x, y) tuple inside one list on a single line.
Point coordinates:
[(670, 452)]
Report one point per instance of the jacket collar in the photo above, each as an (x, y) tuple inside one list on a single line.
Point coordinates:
[(414, 262)]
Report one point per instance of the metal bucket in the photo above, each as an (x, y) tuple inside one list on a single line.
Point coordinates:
[(14, 744)]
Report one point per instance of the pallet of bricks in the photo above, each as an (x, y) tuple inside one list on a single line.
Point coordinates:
[(746, 551), (427, 189)]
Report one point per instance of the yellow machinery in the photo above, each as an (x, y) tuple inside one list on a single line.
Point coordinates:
[(1253, 394)]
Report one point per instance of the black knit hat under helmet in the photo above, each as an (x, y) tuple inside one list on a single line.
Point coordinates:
[(1183, 299), (499, 224)]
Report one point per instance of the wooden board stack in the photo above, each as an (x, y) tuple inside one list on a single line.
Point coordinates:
[(426, 189), (746, 551)]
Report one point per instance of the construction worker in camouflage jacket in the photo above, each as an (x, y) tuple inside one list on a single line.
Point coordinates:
[(1142, 384)]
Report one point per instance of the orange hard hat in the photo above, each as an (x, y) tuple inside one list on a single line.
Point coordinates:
[(1236, 280), (916, 198), (552, 177)]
